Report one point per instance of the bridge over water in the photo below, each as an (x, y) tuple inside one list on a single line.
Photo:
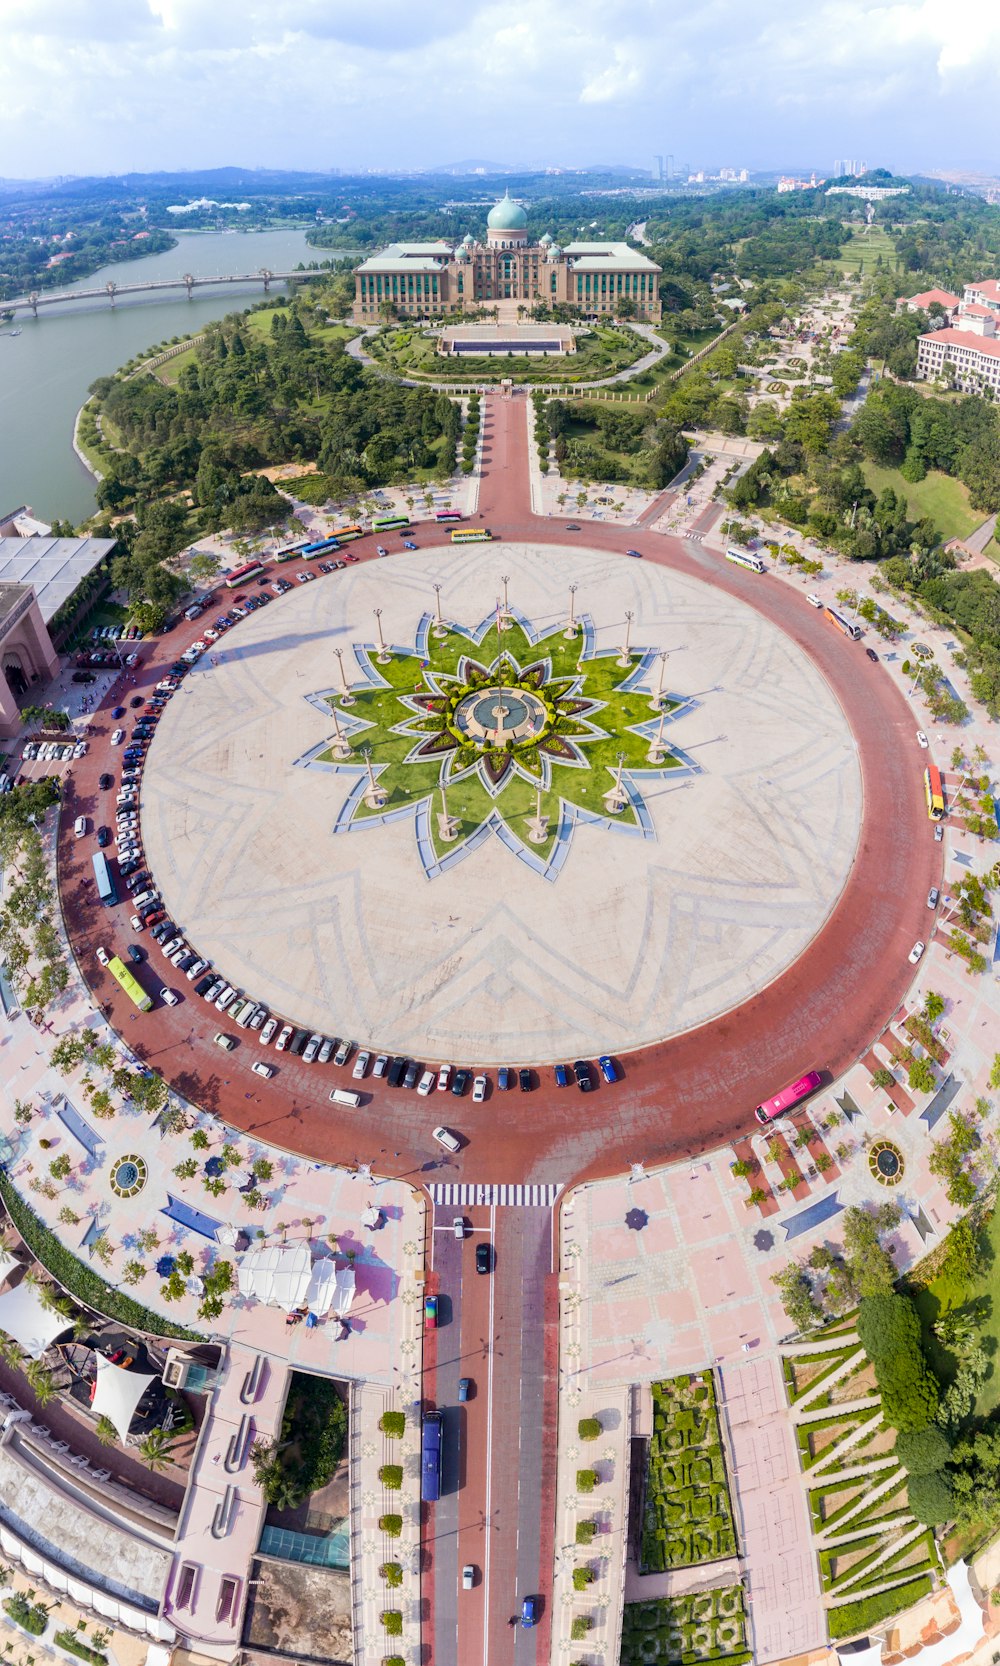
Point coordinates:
[(110, 291)]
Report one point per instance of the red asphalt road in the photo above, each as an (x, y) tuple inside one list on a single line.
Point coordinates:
[(685, 1095)]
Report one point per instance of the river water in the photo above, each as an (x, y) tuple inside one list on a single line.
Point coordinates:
[(46, 370)]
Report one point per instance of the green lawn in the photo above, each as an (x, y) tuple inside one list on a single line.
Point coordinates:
[(942, 1295), (603, 351), (938, 495), (863, 248)]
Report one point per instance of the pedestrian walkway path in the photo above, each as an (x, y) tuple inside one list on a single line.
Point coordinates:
[(516, 1197)]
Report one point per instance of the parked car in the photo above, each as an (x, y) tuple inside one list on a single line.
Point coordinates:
[(169, 997), (561, 1075), (607, 1068), (260, 1068), (468, 1572), (361, 1065), (104, 837), (922, 739), (464, 1384), (284, 1038), (431, 1312), (226, 1042), (581, 1071), (343, 1052), (479, 1090), (443, 1078), (484, 1258), (103, 956), (426, 1083), (525, 1080), (933, 897), (135, 953), (380, 1066), (268, 1031), (460, 1083), (505, 1078), (915, 953)]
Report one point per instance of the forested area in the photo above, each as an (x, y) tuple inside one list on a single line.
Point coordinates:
[(250, 399)]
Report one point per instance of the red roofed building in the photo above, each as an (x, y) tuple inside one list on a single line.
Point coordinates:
[(986, 292), (920, 303), (974, 356)]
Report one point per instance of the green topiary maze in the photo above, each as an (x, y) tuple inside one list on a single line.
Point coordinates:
[(687, 1516), (709, 1626)]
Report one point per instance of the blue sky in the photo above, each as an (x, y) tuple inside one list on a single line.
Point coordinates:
[(108, 85)]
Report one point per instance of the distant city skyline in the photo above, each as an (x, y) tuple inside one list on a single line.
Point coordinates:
[(107, 86)]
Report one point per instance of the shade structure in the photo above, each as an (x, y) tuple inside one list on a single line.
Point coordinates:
[(7, 1262), (118, 1393), (279, 1277), (227, 1234), (330, 1288), (24, 1316)]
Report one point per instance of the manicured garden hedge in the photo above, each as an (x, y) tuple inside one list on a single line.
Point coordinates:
[(708, 1626), (855, 1617), (688, 1517)]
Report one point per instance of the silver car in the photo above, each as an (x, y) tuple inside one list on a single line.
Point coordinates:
[(312, 1047)]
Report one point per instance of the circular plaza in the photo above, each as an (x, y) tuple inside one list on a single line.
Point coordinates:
[(496, 821)]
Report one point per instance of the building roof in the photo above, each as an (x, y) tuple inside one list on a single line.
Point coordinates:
[(972, 309), (507, 215), (409, 257), (966, 338), (54, 566), (603, 257), (926, 296), (986, 286)]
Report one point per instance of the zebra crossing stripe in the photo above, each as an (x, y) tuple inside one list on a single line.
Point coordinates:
[(452, 1194)]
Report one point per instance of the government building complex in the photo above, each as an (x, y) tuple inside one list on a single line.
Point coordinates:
[(507, 274)]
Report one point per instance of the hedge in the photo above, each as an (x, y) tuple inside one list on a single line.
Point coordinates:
[(80, 1280), (31, 1617), (74, 1645), (861, 1616)]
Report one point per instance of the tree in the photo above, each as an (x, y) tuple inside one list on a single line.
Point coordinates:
[(154, 1449), (871, 1267), (391, 1476), (105, 1430), (589, 1428), (921, 1451), (889, 1332), (921, 1076), (797, 1297), (931, 1497), (40, 1381), (393, 1424)]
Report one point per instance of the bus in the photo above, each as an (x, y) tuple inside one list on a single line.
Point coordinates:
[(743, 558), (344, 534), (789, 1097), (842, 624), (390, 523), (135, 992), (288, 552), (472, 535), (105, 884), (309, 552), (430, 1458), (934, 792), (243, 575), (447, 515)]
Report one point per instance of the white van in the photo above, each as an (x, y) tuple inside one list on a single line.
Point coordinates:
[(344, 1096), (80, 826), (144, 897), (445, 1137)]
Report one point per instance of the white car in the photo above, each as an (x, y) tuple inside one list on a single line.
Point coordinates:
[(259, 1068), (325, 1051), (182, 954), (196, 970), (425, 1083), (922, 739), (380, 1066), (915, 953), (311, 1048), (284, 1038), (226, 999), (443, 1078), (137, 923), (132, 659), (169, 997), (814, 601), (268, 1031), (103, 956), (118, 737), (361, 1065), (171, 947), (479, 1090), (380, 550)]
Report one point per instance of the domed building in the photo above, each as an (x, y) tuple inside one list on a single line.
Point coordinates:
[(506, 274)]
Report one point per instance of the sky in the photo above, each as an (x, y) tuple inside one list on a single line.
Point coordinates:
[(109, 86)]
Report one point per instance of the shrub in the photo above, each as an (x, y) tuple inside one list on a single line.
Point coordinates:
[(580, 1627), (585, 1531), (392, 1621), (392, 1526), (391, 1476), (392, 1573), (393, 1660), (75, 1645), (392, 1423), (586, 1480), (29, 1615), (921, 1451), (931, 1498), (869, 1612), (582, 1577), (589, 1428)]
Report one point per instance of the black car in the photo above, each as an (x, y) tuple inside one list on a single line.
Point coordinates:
[(584, 1080), (164, 929), (103, 836), (137, 700), (460, 1083), (394, 1073), (127, 867), (411, 1073), (106, 783), (571, 526), (135, 954), (204, 984), (84, 677), (298, 1043), (872, 654), (484, 1258), (525, 1080)]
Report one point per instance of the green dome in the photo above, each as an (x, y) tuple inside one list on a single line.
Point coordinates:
[(507, 215)]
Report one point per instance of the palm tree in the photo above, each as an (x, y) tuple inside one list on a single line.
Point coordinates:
[(10, 1352), (106, 1432), (40, 1381), (155, 1449)]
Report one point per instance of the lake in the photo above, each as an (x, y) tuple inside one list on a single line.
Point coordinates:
[(46, 370)]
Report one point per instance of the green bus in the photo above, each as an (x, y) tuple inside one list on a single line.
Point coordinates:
[(390, 523), (135, 992)]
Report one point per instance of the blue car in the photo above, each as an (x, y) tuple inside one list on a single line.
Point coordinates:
[(608, 1070), (529, 1613), (505, 1078), (407, 545), (562, 1076)]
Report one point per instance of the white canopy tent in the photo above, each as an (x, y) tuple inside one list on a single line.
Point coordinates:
[(118, 1393), (330, 1288), (278, 1277), (24, 1316)]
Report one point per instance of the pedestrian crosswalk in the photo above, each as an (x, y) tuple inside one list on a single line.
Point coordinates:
[(455, 1196)]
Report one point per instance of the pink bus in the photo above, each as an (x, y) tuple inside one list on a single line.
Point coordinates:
[(789, 1097)]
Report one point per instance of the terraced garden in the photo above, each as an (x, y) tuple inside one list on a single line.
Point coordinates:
[(687, 1516), (709, 1626)]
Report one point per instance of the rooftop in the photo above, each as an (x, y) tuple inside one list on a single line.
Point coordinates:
[(928, 296), (965, 338), (416, 257), (595, 257), (55, 566)]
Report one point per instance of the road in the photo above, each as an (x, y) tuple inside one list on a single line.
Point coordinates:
[(498, 1480)]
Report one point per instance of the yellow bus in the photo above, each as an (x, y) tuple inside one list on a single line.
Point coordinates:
[(472, 535), (135, 992), (934, 793)]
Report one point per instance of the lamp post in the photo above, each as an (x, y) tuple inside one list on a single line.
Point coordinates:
[(346, 697), (658, 696), (383, 656), (376, 796), (657, 751), (448, 825), (615, 800), (341, 746), (538, 826), (439, 629), (504, 620), (571, 621), (625, 655)]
